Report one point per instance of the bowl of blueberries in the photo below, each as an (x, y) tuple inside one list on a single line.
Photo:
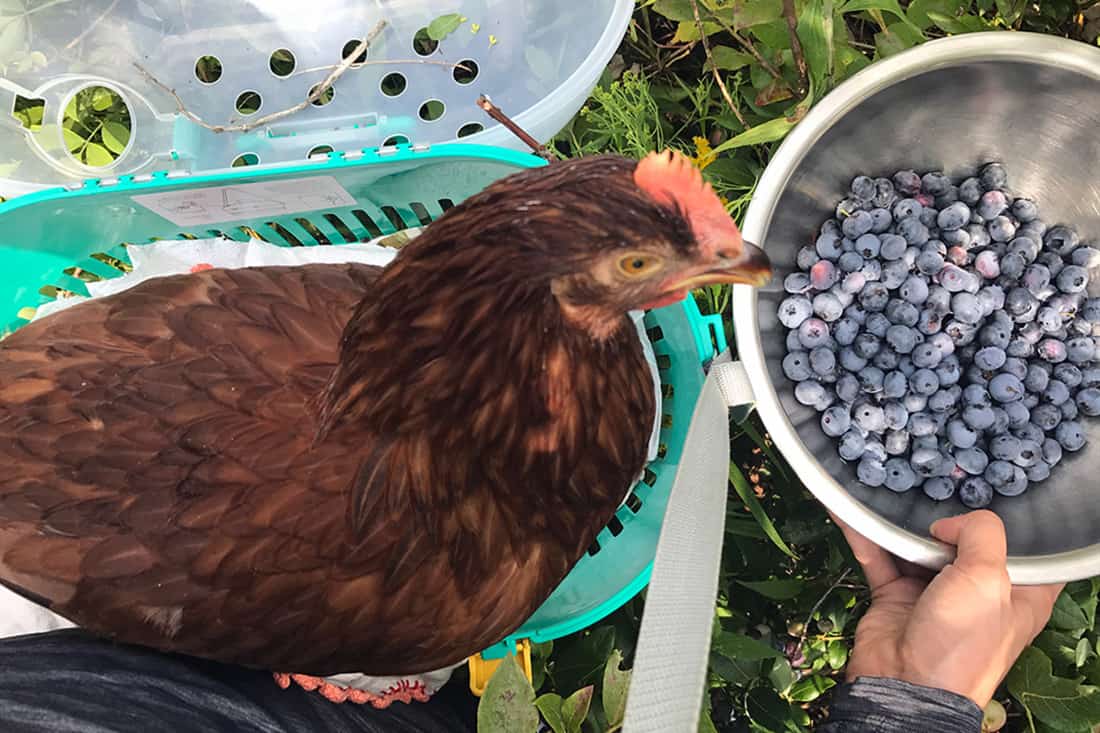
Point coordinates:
[(930, 342)]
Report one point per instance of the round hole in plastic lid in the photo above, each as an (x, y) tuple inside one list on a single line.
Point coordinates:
[(465, 71), (208, 69), (246, 159), (424, 44), (282, 62), (96, 126), (350, 47), (325, 97), (431, 110), (393, 84), (396, 140), (249, 103), (470, 128), (319, 150)]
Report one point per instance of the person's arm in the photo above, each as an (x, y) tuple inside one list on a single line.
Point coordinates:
[(929, 654)]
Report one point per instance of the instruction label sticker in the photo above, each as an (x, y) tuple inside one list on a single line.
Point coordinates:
[(197, 206)]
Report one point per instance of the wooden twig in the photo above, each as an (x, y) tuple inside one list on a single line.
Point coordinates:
[(495, 112), (315, 94), (810, 617), (376, 62), (714, 66), (84, 33), (796, 47), (747, 45)]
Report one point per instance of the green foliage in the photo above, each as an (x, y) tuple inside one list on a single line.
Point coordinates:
[(444, 26), (95, 126)]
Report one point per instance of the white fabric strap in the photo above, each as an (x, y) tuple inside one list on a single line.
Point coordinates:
[(670, 666)]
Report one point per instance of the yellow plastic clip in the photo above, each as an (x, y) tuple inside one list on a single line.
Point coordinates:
[(482, 669)]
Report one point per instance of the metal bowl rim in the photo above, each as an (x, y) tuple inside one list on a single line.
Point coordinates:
[(1018, 47)]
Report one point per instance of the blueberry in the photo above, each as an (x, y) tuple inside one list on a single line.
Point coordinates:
[(939, 488), (939, 298), (863, 188), (1048, 319), (1001, 229), (858, 224), (970, 191), (1080, 349), (829, 247), (907, 182), (874, 296), (947, 198), (1016, 367), (873, 447), (1052, 451), (1068, 374), (1085, 257), (796, 365), (1012, 265), (899, 476), (902, 313), (809, 392), (1035, 278), (942, 400), (1053, 262), (1031, 452), (902, 338), (966, 308), (929, 323), (849, 262), (869, 417), (847, 208), (993, 176), (992, 204), (894, 385), (1079, 327), (1066, 304), (995, 334), (979, 237), (924, 382), (948, 372), (930, 263), (1091, 310), (813, 332), (926, 356), (999, 473), (876, 324), (1090, 377), (961, 333), (1073, 279), (845, 330), (835, 421), (961, 435), (990, 358), (1020, 304), (1069, 410), (1039, 472), (807, 258), (1026, 247), (1003, 447), (895, 414), (823, 275), (1006, 388), (954, 279), (928, 217), (955, 216), (1070, 435), (988, 264), (1019, 347), (793, 311), (885, 194), (1025, 210), (913, 230), (958, 256), (870, 379), (1046, 416), (796, 283), (1056, 392), (1052, 350), (896, 442), (1031, 432), (793, 342), (894, 273), (822, 360), (935, 183), (975, 492), (979, 418), (972, 460), (925, 462), (871, 472), (1061, 240), (921, 424), (1030, 400), (847, 387), (851, 446), (1088, 401), (886, 359), (1034, 229), (827, 307), (1017, 414), (881, 221), (975, 375), (850, 359)]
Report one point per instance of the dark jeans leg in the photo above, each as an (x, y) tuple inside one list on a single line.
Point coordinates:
[(68, 681)]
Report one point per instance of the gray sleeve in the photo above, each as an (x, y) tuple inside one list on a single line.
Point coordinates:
[(872, 704)]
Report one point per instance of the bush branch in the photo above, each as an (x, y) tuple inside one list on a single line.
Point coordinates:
[(714, 66), (796, 47)]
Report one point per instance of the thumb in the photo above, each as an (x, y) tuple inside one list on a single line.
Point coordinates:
[(979, 537)]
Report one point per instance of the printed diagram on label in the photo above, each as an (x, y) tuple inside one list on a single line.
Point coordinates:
[(218, 204)]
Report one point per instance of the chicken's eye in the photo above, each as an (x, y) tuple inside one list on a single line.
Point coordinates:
[(638, 265)]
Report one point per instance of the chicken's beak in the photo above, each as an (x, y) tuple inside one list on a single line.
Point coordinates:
[(749, 267)]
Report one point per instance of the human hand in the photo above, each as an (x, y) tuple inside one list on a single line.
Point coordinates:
[(962, 630)]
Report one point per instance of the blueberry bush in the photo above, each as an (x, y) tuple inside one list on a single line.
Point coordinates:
[(724, 81)]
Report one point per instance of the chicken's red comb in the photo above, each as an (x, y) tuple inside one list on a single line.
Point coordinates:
[(671, 179)]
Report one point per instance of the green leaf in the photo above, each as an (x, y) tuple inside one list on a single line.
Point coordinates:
[(676, 10), (508, 705), (750, 13), (1056, 701), (734, 671), (115, 136), (1060, 647), (1085, 593), (444, 26), (766, 709), (688, 30), (727, 59), (1010, 10), (782, 676), (581, 661), (102, 99), (886, 6), (778, 589), (550, 707), (955, 25), (815, 31), (810, 688), (775, 35), (574, 709), (73, 140), (754, 136), (1068, 615), (1084, 649), (97, 156), (918, 10), (837, 653), (739, 646), (706, 725), (896, 38), (616, 682)]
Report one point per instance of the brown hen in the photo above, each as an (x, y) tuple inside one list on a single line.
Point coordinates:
[(333, 468)]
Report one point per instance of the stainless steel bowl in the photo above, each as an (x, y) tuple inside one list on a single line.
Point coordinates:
[(1029, 101)]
